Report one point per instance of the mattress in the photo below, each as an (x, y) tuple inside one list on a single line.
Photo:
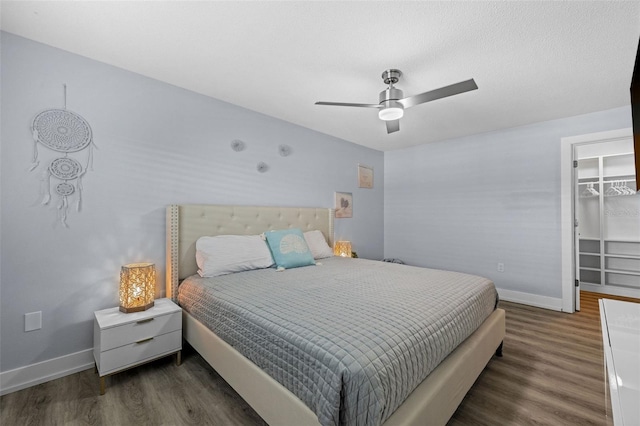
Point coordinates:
[(351, 337)]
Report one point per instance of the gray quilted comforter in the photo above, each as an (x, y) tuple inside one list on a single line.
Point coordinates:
[(351, 338)]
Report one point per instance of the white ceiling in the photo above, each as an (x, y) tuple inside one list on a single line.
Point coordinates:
[(532, 61)]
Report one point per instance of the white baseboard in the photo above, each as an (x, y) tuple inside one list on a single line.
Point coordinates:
[(40, 372), (545, 302)]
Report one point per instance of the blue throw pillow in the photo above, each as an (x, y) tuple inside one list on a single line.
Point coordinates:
[(289, 248)]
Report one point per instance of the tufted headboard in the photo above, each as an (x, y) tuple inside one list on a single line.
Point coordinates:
[(186, 223)]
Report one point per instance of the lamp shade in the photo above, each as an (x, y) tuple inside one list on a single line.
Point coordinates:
[(342, 248), (137, 287)]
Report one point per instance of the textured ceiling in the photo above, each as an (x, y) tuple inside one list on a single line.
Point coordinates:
[(532, 61)]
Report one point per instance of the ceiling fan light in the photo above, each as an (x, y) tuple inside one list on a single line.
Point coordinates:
[(391, 113)]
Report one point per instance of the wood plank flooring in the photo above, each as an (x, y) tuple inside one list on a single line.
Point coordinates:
[(551, 374)]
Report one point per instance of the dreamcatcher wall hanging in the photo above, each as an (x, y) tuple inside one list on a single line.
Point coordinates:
[(65, 132)]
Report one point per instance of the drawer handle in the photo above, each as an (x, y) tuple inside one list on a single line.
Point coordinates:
[(145, 320), (144, 340)]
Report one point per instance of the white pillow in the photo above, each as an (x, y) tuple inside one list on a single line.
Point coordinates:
[(225, 254), (317, 244)]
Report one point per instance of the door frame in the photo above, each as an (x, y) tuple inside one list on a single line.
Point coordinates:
[(567, 208)]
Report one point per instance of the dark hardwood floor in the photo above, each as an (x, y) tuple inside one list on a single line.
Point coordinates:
[(551, 374)]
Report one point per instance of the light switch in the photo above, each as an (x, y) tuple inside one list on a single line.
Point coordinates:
[(33, 321)]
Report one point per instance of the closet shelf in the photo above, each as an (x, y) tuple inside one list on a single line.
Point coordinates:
[(622, 271), (587, 268), (626, 177), (622, 256)]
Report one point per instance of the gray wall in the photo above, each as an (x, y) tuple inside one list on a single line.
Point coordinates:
[(158, 145), (467, 204)]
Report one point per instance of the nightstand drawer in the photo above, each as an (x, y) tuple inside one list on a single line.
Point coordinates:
[(125, 334), (138, 352)]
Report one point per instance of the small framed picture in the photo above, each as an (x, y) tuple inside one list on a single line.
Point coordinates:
[(344, 204), (365, 176)]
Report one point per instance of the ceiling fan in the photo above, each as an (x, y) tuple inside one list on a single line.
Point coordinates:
[(392, 104)]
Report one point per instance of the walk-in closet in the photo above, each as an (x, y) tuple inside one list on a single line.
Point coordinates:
[(608, 218)]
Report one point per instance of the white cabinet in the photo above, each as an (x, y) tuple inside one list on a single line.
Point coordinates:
[(122, 341), (609, 224), (620, 323)]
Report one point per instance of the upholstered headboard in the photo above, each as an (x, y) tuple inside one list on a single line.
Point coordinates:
[(187, 223)]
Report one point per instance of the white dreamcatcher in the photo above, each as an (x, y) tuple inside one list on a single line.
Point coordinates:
[(66, 132)]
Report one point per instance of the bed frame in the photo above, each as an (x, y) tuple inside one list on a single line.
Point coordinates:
[(433, 402)]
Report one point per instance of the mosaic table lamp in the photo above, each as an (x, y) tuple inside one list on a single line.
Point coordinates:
[(137, 287), (342, 248)]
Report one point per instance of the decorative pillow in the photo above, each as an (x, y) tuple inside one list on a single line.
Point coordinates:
[(317, 244), (225, 254), (289, 248)]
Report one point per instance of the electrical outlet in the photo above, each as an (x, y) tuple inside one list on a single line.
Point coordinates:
[(33, 321), (500, 267)]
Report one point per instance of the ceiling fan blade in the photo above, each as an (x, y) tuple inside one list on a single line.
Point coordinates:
[(349, 104), (393, 126), (443, 92)]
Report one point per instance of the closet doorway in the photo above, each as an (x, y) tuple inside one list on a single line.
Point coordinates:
[(606, 218)]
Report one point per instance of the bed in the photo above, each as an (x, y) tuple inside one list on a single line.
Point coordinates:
[(432, 402)]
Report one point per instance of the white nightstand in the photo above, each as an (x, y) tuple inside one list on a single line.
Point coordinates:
[(122, 341)]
